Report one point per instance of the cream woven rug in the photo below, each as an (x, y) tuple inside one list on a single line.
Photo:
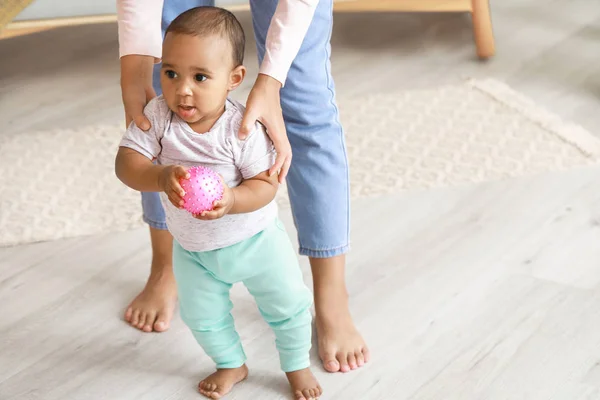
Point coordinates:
[(58, 184)]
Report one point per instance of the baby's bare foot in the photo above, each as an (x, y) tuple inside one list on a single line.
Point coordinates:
[(304, 385), (220, 383), (153, 308)]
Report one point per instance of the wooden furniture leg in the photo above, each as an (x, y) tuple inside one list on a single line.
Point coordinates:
[(482, 28), (479, 9), (10, 9)]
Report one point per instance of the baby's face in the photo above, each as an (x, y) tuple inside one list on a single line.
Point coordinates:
[(196, 76)]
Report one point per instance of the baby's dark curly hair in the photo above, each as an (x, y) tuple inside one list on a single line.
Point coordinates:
[(204, 21)]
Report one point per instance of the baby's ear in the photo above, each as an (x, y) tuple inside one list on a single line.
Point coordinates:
[(236, 77)]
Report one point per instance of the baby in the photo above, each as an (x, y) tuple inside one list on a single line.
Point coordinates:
[(241, 239)]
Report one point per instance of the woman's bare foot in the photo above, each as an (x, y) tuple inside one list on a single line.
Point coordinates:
[(341, 347), (220, 383), (153, 308), (304, 385)]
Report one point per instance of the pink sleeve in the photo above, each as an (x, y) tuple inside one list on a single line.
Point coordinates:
[(139, 27), (285, 36)]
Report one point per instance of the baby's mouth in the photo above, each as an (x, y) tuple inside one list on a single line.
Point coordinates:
[(186, 111)]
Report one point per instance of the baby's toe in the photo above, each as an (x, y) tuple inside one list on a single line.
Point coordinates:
[(135, 318), (150, 317), (129, 314), (205, 387), (142, 320)]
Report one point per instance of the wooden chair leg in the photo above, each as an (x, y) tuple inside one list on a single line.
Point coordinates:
[(482, 28)]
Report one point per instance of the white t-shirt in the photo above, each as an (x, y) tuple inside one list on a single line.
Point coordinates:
[(171, 141)]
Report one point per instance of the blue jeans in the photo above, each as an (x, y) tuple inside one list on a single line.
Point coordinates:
[(318, 180)]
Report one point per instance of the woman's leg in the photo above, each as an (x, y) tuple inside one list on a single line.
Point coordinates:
[(152, 309), (318, 181)]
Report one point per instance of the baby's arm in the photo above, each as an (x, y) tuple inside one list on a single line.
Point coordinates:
[(253, 157), (137, 150), (139, 173), (255, 193)]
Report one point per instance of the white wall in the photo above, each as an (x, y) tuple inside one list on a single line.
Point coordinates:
[(41, 9)]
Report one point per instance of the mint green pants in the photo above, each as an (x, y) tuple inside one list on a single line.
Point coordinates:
[(267, 265)]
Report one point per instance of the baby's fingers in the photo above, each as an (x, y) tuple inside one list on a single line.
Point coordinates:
[(206, 215), (175, 199), (210, 215), (181, 172), (176, 188)]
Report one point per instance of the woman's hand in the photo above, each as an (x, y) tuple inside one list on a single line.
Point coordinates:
[(264, 105), (136, 88)]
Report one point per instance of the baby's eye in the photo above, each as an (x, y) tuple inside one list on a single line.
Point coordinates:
[(170, 74), (200, 77)]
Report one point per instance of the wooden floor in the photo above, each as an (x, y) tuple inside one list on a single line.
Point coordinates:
[(478, 292), (485, 292)]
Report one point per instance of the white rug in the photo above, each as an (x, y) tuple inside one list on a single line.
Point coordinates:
[(58, 184)]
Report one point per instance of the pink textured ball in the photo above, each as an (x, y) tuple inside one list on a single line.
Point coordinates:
[(202, 189)]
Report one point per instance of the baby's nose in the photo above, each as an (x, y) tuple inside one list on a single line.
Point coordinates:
[(184, 89)]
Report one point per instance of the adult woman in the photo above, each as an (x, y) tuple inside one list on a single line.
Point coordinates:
[(294, 85)]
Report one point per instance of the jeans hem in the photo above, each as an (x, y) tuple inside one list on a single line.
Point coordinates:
[(156, 225), (324, 253)]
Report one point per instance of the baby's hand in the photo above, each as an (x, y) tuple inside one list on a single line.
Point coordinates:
[(169, 183), (220, 207)]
